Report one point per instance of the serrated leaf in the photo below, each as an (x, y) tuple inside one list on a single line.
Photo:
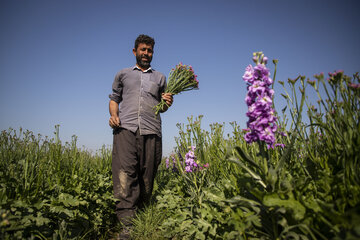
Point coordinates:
[(70, 201), (19, 203), (219, 196)]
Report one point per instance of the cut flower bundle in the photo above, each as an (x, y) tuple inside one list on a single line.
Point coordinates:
[(181, 78)]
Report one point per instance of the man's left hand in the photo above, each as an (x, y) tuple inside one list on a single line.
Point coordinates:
[(168, 98)]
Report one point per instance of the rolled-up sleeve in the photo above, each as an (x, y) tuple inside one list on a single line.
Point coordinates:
[(117, 89)]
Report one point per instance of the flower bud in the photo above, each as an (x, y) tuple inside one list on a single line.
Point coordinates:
[(312, 83), (255, 59), (264, 60)]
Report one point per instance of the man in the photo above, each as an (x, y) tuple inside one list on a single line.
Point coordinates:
[(137, 144)]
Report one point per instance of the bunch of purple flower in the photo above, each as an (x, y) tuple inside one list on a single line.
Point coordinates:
[(262, 120), (182, 78), (191, 165), (190, 160)]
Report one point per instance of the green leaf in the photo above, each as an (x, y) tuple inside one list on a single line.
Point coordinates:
[(70, 201), (214, 196), (60, 209), (255, 176), (246, 158), (205, 225), (200, 235), (295, 207), (40, 220), (19, 203)]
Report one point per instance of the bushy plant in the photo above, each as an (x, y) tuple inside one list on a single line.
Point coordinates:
[(53, 190)]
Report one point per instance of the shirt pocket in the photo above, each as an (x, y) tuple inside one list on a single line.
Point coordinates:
[(152, 89)]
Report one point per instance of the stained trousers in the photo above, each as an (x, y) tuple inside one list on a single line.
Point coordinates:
[(135, 160)]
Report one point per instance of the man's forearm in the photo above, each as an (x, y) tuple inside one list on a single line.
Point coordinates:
[(114, 120), (113, 108)]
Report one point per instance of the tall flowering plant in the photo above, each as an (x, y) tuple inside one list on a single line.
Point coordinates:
[(191, 164), (191, 170), (181, 78), (262, 120)]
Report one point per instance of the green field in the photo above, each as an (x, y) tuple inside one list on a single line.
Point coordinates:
[(307, 188)]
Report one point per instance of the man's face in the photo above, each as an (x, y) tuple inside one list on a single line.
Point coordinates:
[(143, 55)]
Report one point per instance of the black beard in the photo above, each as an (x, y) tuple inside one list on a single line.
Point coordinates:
[(141, 63)]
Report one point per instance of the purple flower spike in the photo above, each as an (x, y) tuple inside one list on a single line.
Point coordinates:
[(191, 162), (262, 120)]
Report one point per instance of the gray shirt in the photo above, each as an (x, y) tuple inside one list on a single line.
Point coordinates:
[(138, 92)]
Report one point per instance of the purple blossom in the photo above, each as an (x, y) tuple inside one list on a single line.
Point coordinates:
[(261, 72), (265, 100), (257, 88), (335, 76), (338, 72), (249, 74), (251, 137), (190, 155), (280, 145), (188, 169), (270, 92), (268, 136), (254, 111), (354, 85), (248, 99)]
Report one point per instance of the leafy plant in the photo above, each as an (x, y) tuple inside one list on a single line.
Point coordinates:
[(53, 190)]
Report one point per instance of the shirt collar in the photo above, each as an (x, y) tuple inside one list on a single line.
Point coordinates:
[(147, 70)]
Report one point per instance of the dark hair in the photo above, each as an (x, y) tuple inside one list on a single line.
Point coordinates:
[(144, 39)]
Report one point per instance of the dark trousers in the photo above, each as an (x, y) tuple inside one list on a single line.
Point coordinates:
[(135, 161)]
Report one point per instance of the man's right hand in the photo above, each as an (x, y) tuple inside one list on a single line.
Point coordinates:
[(114, 122)]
